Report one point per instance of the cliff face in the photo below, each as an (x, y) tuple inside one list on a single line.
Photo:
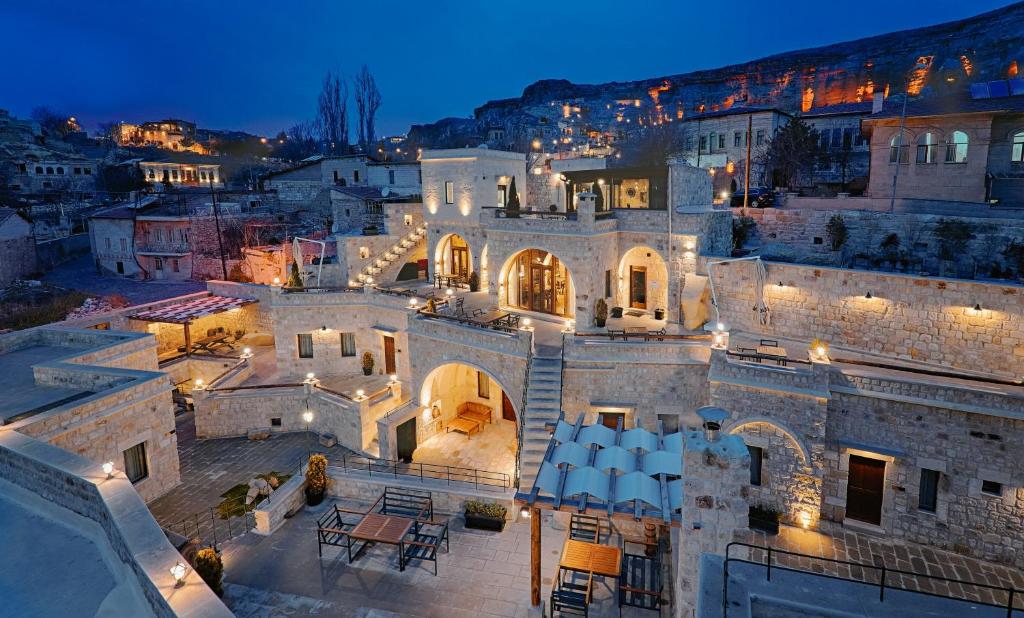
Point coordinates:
[(923, 61)]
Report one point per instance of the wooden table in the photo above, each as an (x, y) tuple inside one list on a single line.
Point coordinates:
[(493, 316), (771, 350), (211, 342), (379, 528), (464, 425), (603, 560)]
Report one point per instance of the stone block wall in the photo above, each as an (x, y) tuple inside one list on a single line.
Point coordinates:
[(914, 318)]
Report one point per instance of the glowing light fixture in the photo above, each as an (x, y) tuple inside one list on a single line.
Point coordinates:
[(178, 572), (524, 512), (449, 292), (360, 394), (277, 281), (108, 469), (198, 384)]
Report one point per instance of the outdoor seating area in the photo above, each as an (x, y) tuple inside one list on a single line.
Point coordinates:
[(767, 350), (403, 518)]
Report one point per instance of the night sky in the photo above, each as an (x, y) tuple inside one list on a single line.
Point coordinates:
[(257, 66)]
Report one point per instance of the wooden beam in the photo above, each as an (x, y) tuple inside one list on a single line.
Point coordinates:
[(188, 341), (534, 556)]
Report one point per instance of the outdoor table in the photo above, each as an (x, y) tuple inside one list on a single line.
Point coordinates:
[(379, 528), (493, 316), (771, 350), (603, 560), (209, 343)]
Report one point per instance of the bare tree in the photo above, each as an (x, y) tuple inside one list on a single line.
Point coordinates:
[(52, 121), (332, 114), (367, 103)]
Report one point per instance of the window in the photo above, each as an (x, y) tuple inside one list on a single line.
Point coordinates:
[(355, 175), (721, 141), (335, 175), (737, 139), (39, 169), (391, 177), (49, 171), (202, 176), (703, 143), (607, 284), (928, 496), (78, 171), (449, 192), (305, 341), (108, 243), (120, 268), (174, 174), (275, 421), (135, 466), (611, 419), (756, 461), (712, 140), (956, 148), (348, 344), (158, 263), (669, 423), (174, 265), (759, 138), (502, 196), (823, 140), (904, 151), (847, 138), (992, 488), (1017, 154), (837, 138), (483, 385), (124, 244), (926, 148), (150, 174)]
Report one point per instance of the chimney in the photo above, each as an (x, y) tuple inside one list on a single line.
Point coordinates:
[(877, 102)]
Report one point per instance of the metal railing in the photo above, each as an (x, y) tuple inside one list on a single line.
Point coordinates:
[(322, 289), (452, 475), (469, 321), (207, 527), (525, 213), (883, 581)]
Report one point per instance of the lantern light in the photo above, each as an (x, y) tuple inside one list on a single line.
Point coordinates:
[(108, 469), (178, 571), (307, 416)]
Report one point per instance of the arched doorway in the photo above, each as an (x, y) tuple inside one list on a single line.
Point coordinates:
[(469, 421), (453, 257), (535, 280), (643, 280)]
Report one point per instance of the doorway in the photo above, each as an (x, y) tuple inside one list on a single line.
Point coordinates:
[(864, 491), (460, 260), (535, 280), (638, 287), (507, 411), (406, 440), (389, 356)]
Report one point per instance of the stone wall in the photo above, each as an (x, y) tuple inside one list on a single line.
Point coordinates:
[(915, 318)]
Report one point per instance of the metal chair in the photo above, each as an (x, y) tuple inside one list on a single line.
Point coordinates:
[(571, 593), (585, 528)]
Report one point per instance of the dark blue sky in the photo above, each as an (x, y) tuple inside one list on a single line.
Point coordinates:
[(257, 65)]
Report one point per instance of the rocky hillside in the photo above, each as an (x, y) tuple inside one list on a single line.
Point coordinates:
[(924, 61)]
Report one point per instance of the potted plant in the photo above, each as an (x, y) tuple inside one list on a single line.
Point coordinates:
[(316, 479), (485, 515), (431, 306), (601, 312), (616, 312), (659, 314), (209, 566), (367, 363), (764, 518), (474, 282)]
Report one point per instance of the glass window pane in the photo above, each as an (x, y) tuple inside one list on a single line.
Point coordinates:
[(929, 491), (756, 458), (135, 466)]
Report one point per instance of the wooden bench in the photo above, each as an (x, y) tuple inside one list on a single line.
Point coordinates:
[(475, 411), (463, 425)]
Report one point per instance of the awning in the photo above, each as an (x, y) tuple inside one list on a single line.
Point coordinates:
[(185, 312)]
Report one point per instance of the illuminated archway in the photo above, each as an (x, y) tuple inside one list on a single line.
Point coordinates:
[(536, 280), (805, 453), (452, 256), (642, 279)]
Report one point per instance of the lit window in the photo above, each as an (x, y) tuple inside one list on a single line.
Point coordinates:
[(928, 494), (348, 344), (956, 148), (1017, 155), (305, 341), (756, 461), (449, 192), (135, 466)]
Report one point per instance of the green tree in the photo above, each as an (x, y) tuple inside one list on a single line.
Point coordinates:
[(837, 232), (513, 197), (792, 154), (953, 237)]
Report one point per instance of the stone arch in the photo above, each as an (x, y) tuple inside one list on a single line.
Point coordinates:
[(656, 278), (447, 255), (516, 277), (805, 452), (427, 396)]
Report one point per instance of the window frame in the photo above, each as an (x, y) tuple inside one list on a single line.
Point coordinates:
[(344, 339), (300, 339), (449, 192), (1017, 147), (928, 501), (756, 465), (952, 147), (996, 492), (483, 385), (137, 470)]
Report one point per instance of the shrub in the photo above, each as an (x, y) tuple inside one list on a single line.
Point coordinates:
[(741, 229), (485, 509), (294, 278), (431, 306), (953, 237), (601, 310), (1014, 254), (316, 475), (368, 363), (837, 232), (474, 282), (891, 242), (210, 567)]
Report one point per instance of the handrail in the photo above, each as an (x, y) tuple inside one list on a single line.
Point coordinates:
[(523, 213), (479, 479), (510, 330), (931, 372), (883, 570), (646, 336), (321, 289)]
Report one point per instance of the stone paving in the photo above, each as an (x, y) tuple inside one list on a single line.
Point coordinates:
[(211, 467), (483, 574), (894, 554), (493, 449)]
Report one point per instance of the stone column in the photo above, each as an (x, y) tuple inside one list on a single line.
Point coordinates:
[(715, 485), (586, 206)]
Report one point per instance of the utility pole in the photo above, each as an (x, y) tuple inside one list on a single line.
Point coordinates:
[(746, 179), (220, 241), (899, 149)]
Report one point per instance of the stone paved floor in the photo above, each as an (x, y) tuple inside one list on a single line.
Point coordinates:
[(492, 449), (894, 554), (483, 574), (211, 467)]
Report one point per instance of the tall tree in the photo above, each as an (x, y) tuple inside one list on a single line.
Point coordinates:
[(332, 114), (792, 153), (367, 103)]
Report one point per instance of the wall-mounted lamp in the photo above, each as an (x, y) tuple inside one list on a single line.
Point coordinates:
[(449, 292), (394, 379), (276, 281), (246, 353), (568, 326), (413, 302), (524, 512), (868, 296)]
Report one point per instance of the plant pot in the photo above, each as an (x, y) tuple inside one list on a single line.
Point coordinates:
[(314, 498), (600, 322), (768, 526), (485, 522), (659, 314), (367, 372), (616, 312)]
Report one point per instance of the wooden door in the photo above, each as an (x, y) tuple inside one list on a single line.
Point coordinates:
[(460, 261), (389, 355), (638, 287), (406, 440), (507, 411), (864, 492)]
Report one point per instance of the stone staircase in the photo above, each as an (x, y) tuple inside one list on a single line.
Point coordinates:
[(384, 262), (543, 406)]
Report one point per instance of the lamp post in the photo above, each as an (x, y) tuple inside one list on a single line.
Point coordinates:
[(899, 137)]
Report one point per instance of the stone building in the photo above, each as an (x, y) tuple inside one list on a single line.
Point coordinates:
[(183, 169), (847, 150), (17, 247)]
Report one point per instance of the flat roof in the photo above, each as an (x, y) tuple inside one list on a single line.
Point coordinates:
[(21, 394)]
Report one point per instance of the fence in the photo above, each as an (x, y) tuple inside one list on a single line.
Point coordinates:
[(208, 528), (883, 580), (453, 476)]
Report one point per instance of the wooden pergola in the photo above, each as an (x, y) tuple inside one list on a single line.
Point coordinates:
[(186, 312), (643, 480)]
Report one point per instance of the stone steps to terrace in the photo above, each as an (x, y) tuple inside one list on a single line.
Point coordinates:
[(386, 262), (543, 406)]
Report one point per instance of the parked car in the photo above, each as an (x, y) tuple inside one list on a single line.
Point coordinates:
[(760, 197)]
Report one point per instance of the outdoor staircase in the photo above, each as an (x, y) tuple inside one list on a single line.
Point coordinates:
[(387, 260), (543, 407)]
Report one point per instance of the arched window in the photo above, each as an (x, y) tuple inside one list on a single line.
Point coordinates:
[(926, 148), (49, 170), (903, 153), (956, 148), (60, 171), (1017, 156), (150, 174), (39, 169)]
